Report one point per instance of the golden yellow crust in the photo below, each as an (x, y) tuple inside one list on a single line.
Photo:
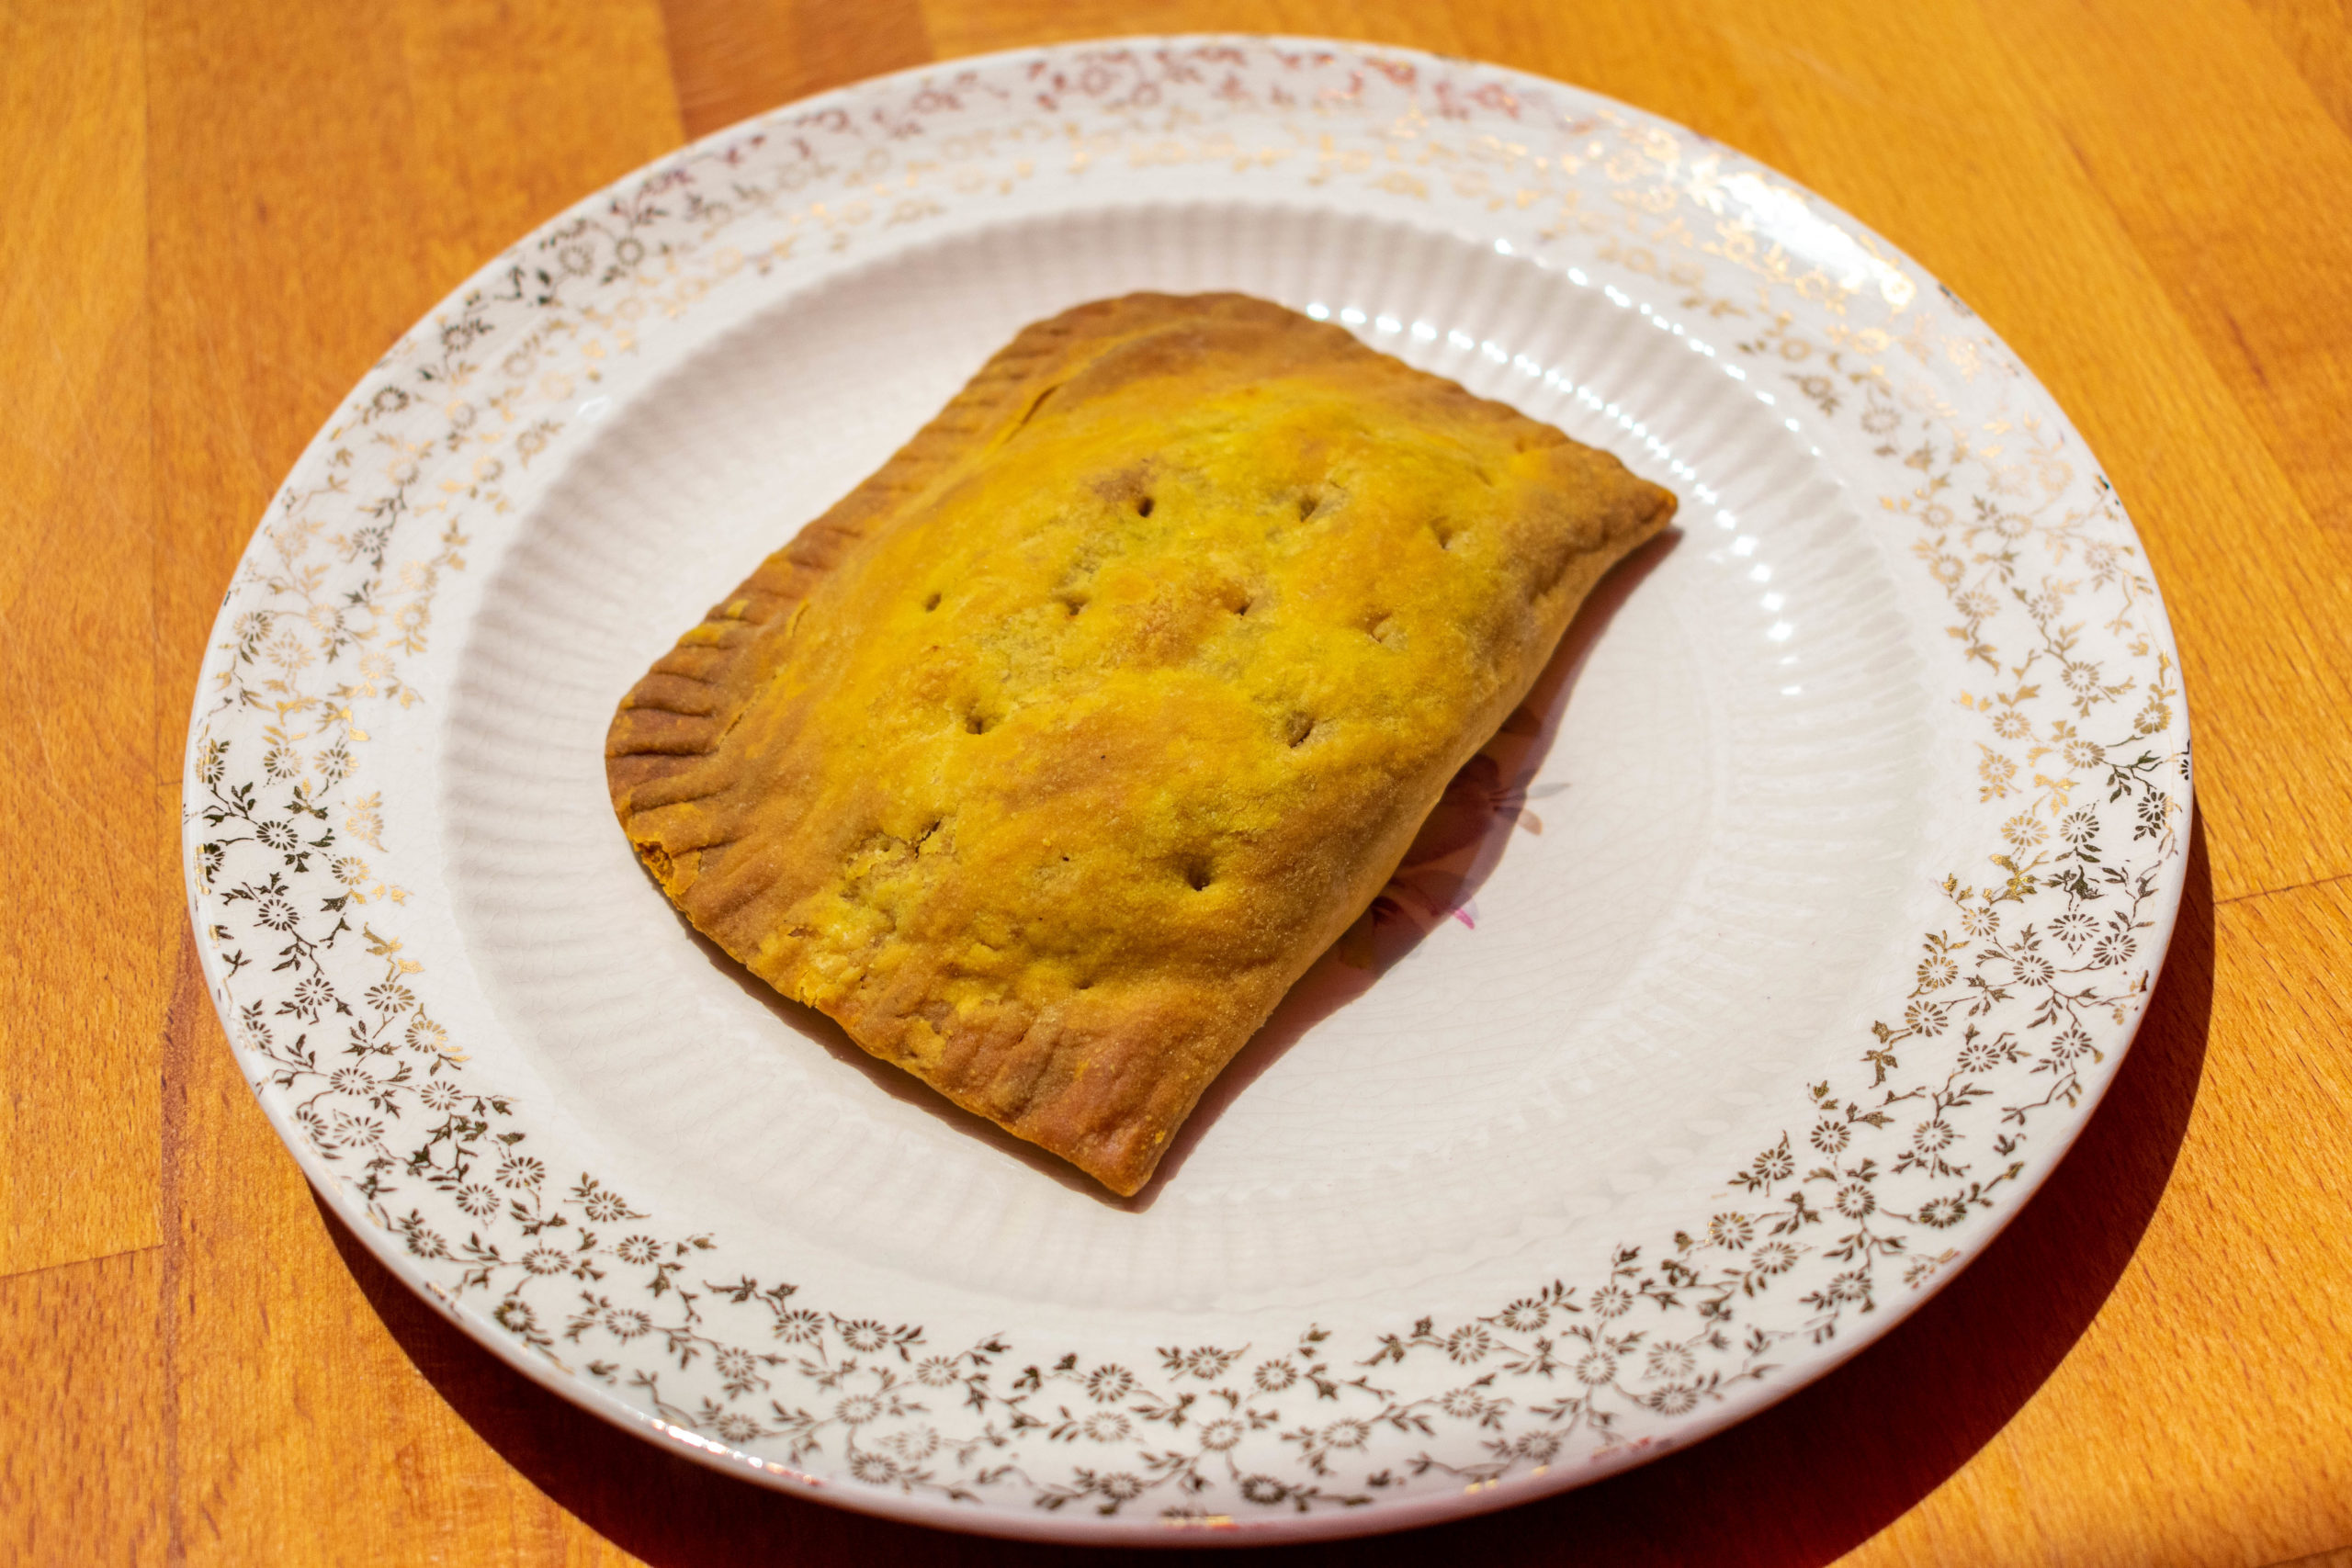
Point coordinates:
[(1050, 758)]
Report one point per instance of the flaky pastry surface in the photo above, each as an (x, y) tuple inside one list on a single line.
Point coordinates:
[(1051, 756)]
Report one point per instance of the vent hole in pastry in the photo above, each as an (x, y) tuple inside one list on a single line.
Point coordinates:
[(1297, 728), (1031, 412), (976, 724), (931, 604), (1381, 626), (1073, 602), (1242, 608), (1196, 876), (1445, 532), (1308, 504), (1143, 507)]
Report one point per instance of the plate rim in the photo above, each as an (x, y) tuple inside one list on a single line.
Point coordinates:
[(1381, 1516)]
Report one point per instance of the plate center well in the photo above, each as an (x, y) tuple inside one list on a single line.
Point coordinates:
[(1725, 773)]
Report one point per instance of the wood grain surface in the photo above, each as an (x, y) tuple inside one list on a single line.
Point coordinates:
[(218, 213)]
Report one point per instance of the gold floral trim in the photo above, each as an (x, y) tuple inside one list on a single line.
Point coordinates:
[(2036, 971)]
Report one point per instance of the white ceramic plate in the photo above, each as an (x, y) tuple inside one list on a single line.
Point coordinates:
[(1793, 940)]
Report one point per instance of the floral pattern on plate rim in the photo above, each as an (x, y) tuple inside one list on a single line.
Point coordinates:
[(2045, 950)]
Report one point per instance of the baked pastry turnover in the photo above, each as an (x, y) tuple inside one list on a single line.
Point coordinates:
[(1052, 755)]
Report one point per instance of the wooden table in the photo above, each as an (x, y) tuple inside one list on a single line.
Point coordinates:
[(219, 212)]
